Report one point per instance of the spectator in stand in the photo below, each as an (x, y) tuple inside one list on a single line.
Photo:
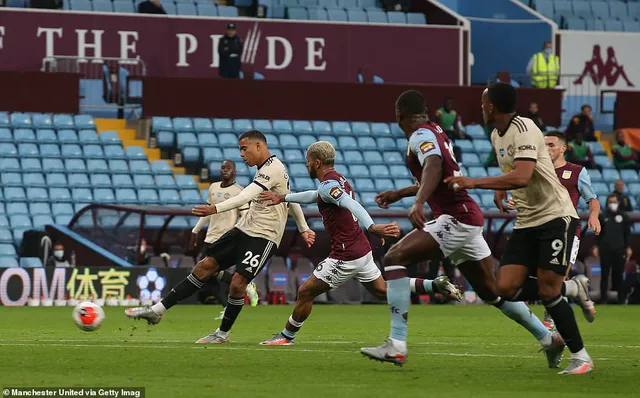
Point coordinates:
[(582, 122), (631, 285), (580, 153), (57, 259), (151, 7), (625, 204), (145, 256), (624, 157), (544, 67), (534, 115), (613, 242), (46, 4), (230, 50), (450, 121)]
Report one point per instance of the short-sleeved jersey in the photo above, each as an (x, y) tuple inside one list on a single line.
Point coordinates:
[(220, 223), (262, 221), (348, 240), (430, 140), (544, 198), (577, 182)]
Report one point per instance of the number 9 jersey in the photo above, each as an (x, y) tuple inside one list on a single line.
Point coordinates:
[(430, 140)]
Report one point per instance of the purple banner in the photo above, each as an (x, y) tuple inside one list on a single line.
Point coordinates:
[(280, 50)]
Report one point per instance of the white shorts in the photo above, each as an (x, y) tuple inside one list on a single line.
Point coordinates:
[(574, 250), (336, 272), (460, 242)]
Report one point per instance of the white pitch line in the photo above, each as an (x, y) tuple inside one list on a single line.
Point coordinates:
[(282, 349)]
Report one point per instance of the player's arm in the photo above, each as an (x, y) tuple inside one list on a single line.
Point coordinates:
[(384, 199), (589, 195), (425, 146), (245, 196), (295, 211)]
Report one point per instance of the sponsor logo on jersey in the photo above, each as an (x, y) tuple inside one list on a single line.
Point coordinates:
[(526, 148), (266, 177), (335, 192), (566, 174), (427, 147)]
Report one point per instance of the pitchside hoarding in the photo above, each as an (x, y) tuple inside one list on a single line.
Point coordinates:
[(280, 50), (608, 59)]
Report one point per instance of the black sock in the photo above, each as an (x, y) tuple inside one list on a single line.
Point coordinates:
[(565, 321), (231, 312), (528, 291), (182, 290), (224, 276)]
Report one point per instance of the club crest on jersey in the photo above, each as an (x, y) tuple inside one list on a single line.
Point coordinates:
[(566, 174), (427, 146), (227, 196), (335, 192), (510, 150)]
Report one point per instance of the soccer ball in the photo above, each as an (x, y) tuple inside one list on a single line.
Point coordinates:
[(88, 316)]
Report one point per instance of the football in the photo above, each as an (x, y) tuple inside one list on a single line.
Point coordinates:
[(88, 316)]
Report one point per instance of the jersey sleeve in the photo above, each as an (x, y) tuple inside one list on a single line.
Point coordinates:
[(423, 143), (331, 192), (526, 144), (584, 186), (268, 176)]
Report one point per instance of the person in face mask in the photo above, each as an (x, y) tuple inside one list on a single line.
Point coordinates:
[(57, 259), (544, 67), (613, 242)]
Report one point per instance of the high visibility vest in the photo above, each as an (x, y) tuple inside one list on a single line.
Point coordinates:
[(545, 73)]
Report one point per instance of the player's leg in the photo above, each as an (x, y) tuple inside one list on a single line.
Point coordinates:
[(310, 289), (251, 290)]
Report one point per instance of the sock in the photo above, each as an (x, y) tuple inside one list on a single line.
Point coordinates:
[(231, 313), (565, 321), (582, 354), (421, 286), (569, 289), (225, 277), (528, 291), (294, 325), (519, 312), (181, 291), (159, 308), (398, 297)]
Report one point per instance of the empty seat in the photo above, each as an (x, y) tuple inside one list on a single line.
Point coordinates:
[(304, 184), (628, 175), (397, 17), (384, 184), (610, 175), (52, 165), (212, 154), (354, 15), (122, 181), (234, 155), (379, 171), (289, 141), (370, 157), (471, 159), (202, 125), (30, 165), (185, 182), (109, 138), (306, 140), (81, 195), (63, 121), (46, 136), (114, 152), (613, 25), (397, 171), (103, 195), (477, 172), (322, 127), (15, 208), (272, 140), (599, 9), (228, 140), (416, 18), (393, 157), (358, 171), (360, 128), (186, 139), (294, 155), (118, 166), (6, 237), (227, 11), (190, 196), (148, 196), (262, 125), (165, 181), (135, 152), (364, 184), (355, 157), (207, 10), (20, 119), (139, 166), (8, 150), (297, 13), (123, 6), (61, 209), (574, 23), (5, 135), (126, 195), (298, 170), (24, 135), (41, 120), (50, 150), (14, 194), (282, 126), (329, 138), (37, 194), (34, 180), (42, 220), (348, 142), (191, 154), (11, 179), (207, 139), (71, 151), (161, 123), (97, 166), (28, 150), (93, 152), (143, 181), (169, 196), (10, 164), (377, 16), (223, 125), (20, 222), (337, 14), (631, 26)]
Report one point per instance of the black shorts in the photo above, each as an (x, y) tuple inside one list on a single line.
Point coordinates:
[(547, 246), (248, 253)]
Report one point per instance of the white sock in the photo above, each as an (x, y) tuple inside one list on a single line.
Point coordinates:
[(222, 334), (546, 340), (399, 344), (571, 288), (412, 284), (582, 354), (158, 308)]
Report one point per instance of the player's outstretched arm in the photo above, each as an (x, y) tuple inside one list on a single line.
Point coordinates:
[(430, 178), (245, 196), (518, 178), (589, 195), (295, 211), (384, 199), (300, 197), (193, 241)]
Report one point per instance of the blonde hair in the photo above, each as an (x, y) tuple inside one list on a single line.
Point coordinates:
[(323, 151)]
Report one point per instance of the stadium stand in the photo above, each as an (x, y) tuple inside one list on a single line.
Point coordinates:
[(608, 15)]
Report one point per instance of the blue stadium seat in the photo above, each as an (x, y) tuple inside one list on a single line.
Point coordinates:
[(103, 195), (191, 154), (384, 184), (32, 262), (322, 127), (387, 144), (618, 9), (242, 125), (140, 167), (364, 184), (223, 125), (34, 180), (347, 142), (399, 171), (595, 175), (84, 122), (465, 145), (355, 15), (42, 220), (335, 3), (262, 125), (604, 161), (62, 209), (380, 130), (294, 155), (148, 196), (610, 175), (50, 150), (599, 9), (97, 166), (123, 6), (369, 143), (11, 179), (228, 140), (575, 23), (369, 157), (97, 181), (600, 188), (631, 26), (379, 171), (316, 14), (613, 25), (186, 139), (282, 126), (212, 154), (93, 152), (37, 194), (629, 176), (243, 170), (563, 7), (4, 222), (20, 222), (135, 152), (183, 124), (339, 157), (24, 135), (357, 170), (494, 171), (126, 195), (14, 194), (4, 120), (272, 140), (169, 196), (329, 138), (66, 136), (63, 122), (46, 136), (190, 196), (207, 10), (298, 170), (234, 154), (70, 151), (170, 8), (186, 9), (416, 18), (161, 123), (114, 152), (360, 128), (337, 15), (28, 150), (143, 181), (16, 208), (185, 182), (374, 16), (482, 146), (122, 181), (367, 3), (155, 167), (397, 17), (475, 131), (63, 219), (202, 125), (302, 127), (30, 165), (102, 6), (51, 165), (306, 140), (355, 157), (8, 150), (582, 9), (107, 137), (597, 148), (19, 119), (118, 166), (77, 180), (477, 172), (289, 141), (5, 237), (634, 188), (297, 13), (471, 159), (304, 184), (207, 139), (227, 11), (368, 200), (342, 128), (6, 136), (165, 181)]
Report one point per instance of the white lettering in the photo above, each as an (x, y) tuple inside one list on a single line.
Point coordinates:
[(1, 35), (315, 52), (271, 51), (4, 282), (215, 59), (96, 45), (49, 36), (127, 46), (183, 50), (56, 292)]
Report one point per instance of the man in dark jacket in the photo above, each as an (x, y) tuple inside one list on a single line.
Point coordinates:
[(151, 7), (582, 122), (230, 52), (614, 242)]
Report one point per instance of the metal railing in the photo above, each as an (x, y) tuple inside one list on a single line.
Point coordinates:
[(105, 83)]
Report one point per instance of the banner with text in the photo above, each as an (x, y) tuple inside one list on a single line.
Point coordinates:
[(280, 50), (18, 285), (607, 59)]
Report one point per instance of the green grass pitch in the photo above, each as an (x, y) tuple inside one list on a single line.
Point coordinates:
[(454, 351)]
